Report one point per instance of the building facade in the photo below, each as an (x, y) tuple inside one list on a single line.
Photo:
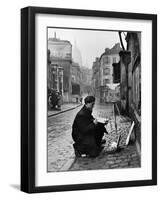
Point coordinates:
[(107, 59), (49, 72), (130, 75), (86, 80), (61, 65), (130, 81), (134, 70), (134, 81), (76, 82), (76, 54), (96, 81)]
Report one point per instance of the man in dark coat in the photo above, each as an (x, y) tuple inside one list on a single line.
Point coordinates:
[(87, 133)]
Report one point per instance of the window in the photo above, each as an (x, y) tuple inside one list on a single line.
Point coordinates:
[(73, 78), (106, 60), (106, 71), (106, 81), (114, 60)]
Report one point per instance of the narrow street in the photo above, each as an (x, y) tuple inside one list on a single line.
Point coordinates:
[(60, 151), (111, 71)]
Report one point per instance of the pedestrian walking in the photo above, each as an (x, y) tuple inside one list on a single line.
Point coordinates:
[(81, 99)]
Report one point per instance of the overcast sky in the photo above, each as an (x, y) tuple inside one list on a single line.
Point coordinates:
[(91, 43)]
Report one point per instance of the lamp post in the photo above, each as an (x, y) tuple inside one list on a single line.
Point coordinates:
[(55, 76), (60, 78)]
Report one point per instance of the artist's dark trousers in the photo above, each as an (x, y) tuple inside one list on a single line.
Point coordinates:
[(99, 133), (91, 144)]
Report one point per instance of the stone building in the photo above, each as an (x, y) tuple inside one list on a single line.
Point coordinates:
[(107, 59), (116, 72), (86, 80), (76, 81), (57, 78), (61, 57), (96, 81), (49, 72), (130, 81), (125, 59), (130, 75), (134, 81), (134, 70), (59, 48), (76, 54)]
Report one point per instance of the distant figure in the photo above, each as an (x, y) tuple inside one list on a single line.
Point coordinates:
[(53, 98), (59, 101), (81, 99), (87, 133)]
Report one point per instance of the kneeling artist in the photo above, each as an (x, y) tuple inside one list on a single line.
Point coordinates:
[(87, 132)]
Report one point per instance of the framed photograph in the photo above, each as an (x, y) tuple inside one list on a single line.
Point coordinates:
[(88, 99)]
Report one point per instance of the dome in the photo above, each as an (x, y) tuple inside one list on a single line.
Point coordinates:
[(76, 54)]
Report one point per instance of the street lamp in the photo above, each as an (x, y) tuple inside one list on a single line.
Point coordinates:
[(60, 78)]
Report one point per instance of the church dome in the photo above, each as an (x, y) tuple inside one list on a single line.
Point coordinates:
[(76, 54)]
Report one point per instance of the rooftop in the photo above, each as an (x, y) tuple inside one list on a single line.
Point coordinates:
[(114, 50)]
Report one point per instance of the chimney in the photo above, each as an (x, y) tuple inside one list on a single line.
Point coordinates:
[(107, 50)]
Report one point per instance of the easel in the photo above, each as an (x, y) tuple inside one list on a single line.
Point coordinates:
[(115, 117), (119, 136)]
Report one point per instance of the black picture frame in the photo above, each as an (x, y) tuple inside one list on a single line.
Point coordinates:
[(28, 91)]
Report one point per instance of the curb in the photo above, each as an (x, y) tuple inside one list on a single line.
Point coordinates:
[(64, 111)]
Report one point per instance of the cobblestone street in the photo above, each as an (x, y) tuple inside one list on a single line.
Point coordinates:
[(127, 158), (60, 151)]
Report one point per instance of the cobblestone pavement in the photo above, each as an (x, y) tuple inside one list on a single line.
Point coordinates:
[(60, 151), (126, 157)]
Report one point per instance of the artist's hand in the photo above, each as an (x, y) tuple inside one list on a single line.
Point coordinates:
[(95, 121), (106, 122)]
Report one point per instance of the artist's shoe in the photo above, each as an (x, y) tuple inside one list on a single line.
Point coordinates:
[(77, 153), (101, 148)]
